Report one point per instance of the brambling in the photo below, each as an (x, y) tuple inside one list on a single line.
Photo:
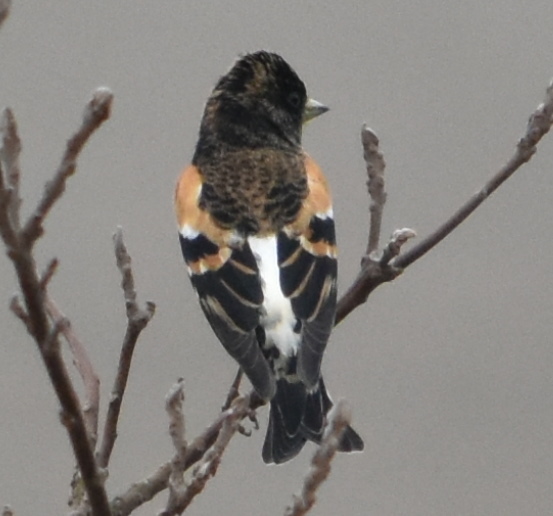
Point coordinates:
[(257, 233)]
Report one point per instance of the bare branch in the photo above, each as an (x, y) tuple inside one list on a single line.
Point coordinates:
[(9, 185), (46, 335), (375, 184), (375, 272), (49, 272), (10, 149), (173, 406), (19, 311), (96, 112), (233, 392), (84, 366), (398, 238), (4, 10), (137, 320), (339, 419), (207, 467), (538, 126), (143, 491)]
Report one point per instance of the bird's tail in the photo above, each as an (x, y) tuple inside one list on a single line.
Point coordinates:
[(298, 415)]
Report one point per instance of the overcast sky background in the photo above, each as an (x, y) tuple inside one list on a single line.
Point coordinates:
[(449, 370)]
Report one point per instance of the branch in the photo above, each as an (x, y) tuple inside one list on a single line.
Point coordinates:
[(143, 491), (4, 10), (375, 183), (84, 366), (181, 496), (137, 319), (96, 112), (376, 271), (538, 126), (173, 406), (9, 154), (33, 287), (339, 419)]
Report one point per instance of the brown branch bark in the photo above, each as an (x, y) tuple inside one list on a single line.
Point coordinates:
[(374, 272), (143, 491), (539, 125), (374, 161), (338, 419), (4, 10), (19, 243), (182, 496), (137, 319), (84, 366)]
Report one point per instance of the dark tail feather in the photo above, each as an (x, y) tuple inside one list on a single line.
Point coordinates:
[(297, 416)]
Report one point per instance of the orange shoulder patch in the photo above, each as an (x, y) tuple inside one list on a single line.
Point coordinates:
[(318, 201), (190, 217)]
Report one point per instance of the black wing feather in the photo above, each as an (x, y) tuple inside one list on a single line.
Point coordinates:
[(231, 296), (308, 278)]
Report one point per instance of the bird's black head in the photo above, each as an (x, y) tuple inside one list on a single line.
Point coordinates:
[(261, 101)]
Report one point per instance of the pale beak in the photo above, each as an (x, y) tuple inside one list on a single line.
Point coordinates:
[(313, 109)]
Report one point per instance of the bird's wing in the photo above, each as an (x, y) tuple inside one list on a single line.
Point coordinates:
[(225, 275), (307, 261)]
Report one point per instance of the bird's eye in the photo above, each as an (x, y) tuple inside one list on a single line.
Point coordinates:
[(294, 99)]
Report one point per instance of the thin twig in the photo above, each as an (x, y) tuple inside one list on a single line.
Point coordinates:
[(19, 244), (207, 467), (84, 366), (7, 510), (376, 272), (233, 392), (4, 10), (9, 154), (48, 273), (397, 240), (137, 320), (375, 183), (538, 126), (173, 406), (19, 311), (339, 419), (143, 491), (96, 112)]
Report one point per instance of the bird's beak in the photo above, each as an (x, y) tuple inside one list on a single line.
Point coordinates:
[(313, 109)]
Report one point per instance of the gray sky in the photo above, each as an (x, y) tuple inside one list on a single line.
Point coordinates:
[(448, 370)]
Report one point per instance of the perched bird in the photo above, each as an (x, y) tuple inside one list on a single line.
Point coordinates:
[(257, 234)]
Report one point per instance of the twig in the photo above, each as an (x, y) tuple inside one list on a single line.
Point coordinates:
[(96, 112), (4, 10), (173, 406), (11, 149), (143, 491), (48, 274), (233, 392), (375, 272), (210, 461), (19, 311), (137, 320), (375, 183), (339, 419), (19, 244), (9, 185), (538, 126), (84, 366), (398, 238)]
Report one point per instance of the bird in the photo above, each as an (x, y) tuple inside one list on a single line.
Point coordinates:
[(257, 233)]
